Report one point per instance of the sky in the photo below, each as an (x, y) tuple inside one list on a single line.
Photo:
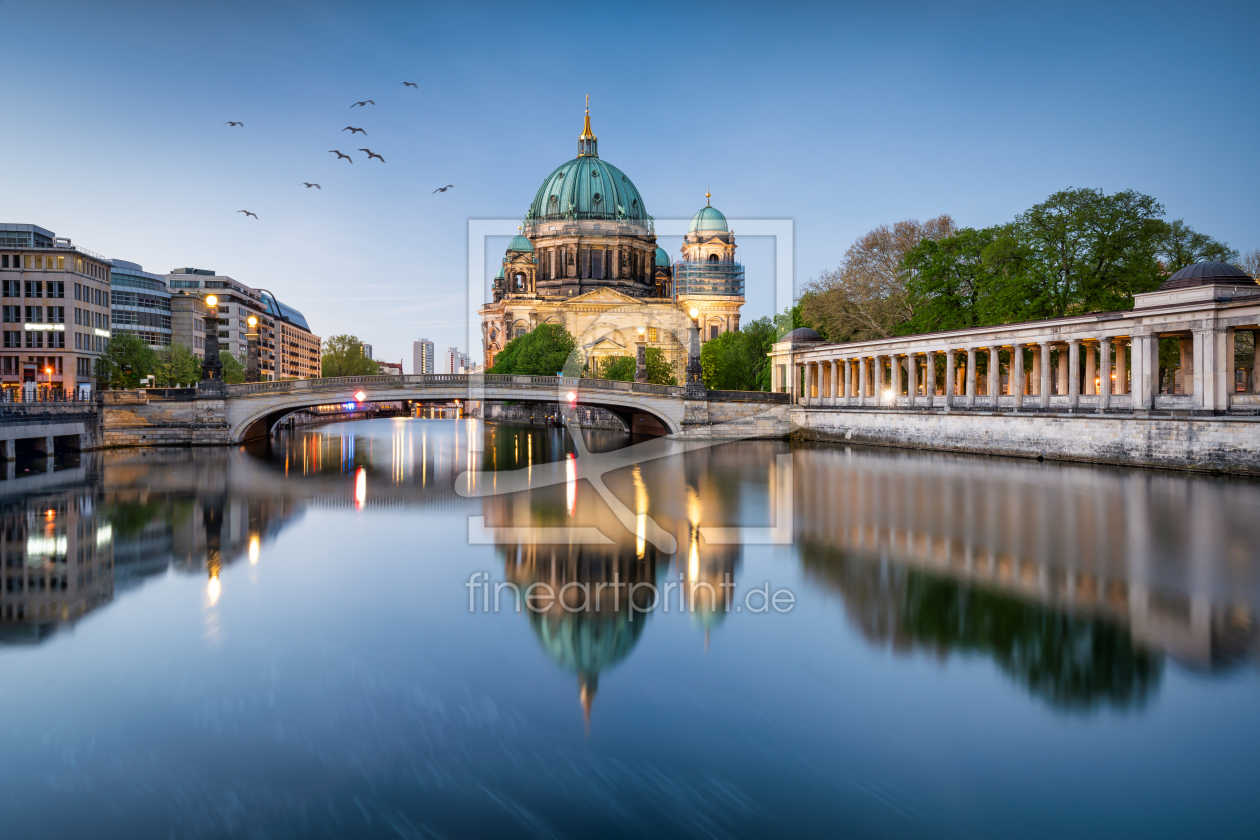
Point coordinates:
[(839, 117)]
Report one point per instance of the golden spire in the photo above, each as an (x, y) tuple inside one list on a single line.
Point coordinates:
[(587, 134), (707, 196)]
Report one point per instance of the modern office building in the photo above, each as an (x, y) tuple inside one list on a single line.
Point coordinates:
[(366, 348), (454, 361), (422, 356), (56, 311), (297, 348), (140, 304), (188, 322), (236, 303)]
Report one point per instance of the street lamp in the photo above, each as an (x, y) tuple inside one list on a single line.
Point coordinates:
[(48, 371), (251, 351), (695, 375), (640, 362), (212, 367)]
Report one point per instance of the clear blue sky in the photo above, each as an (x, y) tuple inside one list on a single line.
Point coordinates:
[(840, 117)]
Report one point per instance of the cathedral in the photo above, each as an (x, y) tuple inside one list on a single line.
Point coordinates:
[(586, 258)]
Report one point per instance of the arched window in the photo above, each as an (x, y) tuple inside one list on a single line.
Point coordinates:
[(713, 257)]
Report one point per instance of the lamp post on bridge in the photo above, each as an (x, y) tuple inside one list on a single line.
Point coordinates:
[(251, 350), (211, 366), (640, 364), (695, 375)]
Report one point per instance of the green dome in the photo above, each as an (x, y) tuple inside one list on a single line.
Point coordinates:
[(499, 276), (662, 258), (520, 243), (709, 218), (587, 188)]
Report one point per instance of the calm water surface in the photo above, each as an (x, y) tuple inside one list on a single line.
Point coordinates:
[(278, 643)]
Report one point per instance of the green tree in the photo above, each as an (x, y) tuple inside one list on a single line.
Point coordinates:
[(1090, 251), (972, 278), (619, 368), (659, 370), (233, 369), (738, 361), (545, 351), (342, 355), (1178, 246), (125, 362), (176, 366)]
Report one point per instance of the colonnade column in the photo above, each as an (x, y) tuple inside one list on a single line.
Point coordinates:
[(1015, 377), (1104, 374), (929, 379), (995, 375), (1061, 385), (895, 361), (837, 379), (848, 384), (1074, 374), (1185, 367), (861, 383), (950, 378), (1255, 360), (912, 379), (1091, 388), (1122, 369), (970, 377), (1145, 371), (1045, 375)]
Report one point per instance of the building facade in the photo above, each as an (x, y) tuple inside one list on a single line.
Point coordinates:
[(297, 348), (422, 356), (188, 322), (140, 304), (236, 303), (453, 361), (56, 312), (587, 259)]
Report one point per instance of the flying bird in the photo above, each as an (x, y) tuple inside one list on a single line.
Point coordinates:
[(309, 185), (363, 103), (231, 122), (442, 189), (247, 213), (354, 130), (411, 84), (339, 156), (372, 154)]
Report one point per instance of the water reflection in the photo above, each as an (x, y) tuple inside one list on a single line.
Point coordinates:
[(1077, 582)]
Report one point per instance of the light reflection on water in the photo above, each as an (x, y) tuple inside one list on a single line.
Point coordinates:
[(967, 632)]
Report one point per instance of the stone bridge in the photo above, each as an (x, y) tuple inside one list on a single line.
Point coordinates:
[(250, 411)]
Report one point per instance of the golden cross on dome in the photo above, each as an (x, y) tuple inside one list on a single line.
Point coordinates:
[(707, 196)]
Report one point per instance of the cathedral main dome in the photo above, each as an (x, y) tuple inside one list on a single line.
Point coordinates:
[(587, 188)]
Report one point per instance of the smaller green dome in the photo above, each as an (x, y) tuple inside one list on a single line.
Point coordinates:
[(708, 219), (662, 258), (520, 243), (499, 276)]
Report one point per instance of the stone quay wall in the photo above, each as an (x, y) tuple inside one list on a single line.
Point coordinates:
[(1218, 444), (130, 418), (539, 414)]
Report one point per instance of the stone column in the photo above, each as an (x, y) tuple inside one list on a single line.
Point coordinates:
[(895, 361), (1255, 361), (1104, 374), (1061, 377), (1045, 374), (971, 377), (1210, 369), (1231, 376), (1122, 369), (1090, 373), (1034, 378), (1015, 381), (951, 379), (1185, 367), (848, 383), (929, 379), (1074, 374), (1145, 371), (995, 376), (861, 383), (912, 379)]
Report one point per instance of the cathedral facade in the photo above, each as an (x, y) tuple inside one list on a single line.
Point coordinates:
[(586, 258)]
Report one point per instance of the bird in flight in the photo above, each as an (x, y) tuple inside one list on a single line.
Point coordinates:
[(339, 156), (232, 122), (247, 213), (354, 130), (309, 185), (442, 189), (411, 84), (364, 103), (372, 154)]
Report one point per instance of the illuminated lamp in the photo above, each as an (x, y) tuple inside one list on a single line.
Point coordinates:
[(360, 396)]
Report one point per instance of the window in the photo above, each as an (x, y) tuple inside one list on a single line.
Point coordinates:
[(12, 288), (34, 288), (30, 261), (34, 314), (4, 261), (57, 288), (34, 339), (12, 338), (57, 339), (713, 330), (56, 314), (61, 263), (652, 334), (12, 314)]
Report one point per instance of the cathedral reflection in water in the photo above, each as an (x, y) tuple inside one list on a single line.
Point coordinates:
[(1077, 582)]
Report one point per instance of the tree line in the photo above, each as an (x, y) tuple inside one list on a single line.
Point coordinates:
[(1081, 250), (127, 361)]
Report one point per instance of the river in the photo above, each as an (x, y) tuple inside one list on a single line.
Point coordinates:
[(323, 637)]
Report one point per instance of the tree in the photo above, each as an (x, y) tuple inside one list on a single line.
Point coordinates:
[(177, 366), (659, 370), (1178, 246), (738, 361), (1090, 251), (342, 355), (971, 278), (125, 362), (619, 368), (866, 297), (1250, 263), (545, 351), (233, 369)]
